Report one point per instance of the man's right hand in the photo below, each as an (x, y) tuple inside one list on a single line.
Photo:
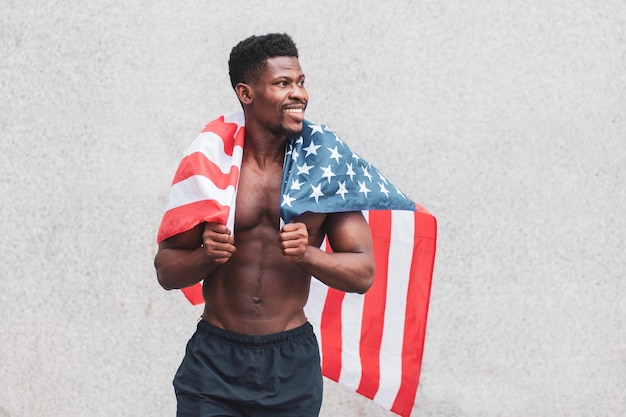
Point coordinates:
[(218, 242)]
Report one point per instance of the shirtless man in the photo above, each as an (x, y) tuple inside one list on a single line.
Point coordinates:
[(254, 353)]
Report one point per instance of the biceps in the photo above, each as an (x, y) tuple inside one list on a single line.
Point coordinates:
[(191, 239), (349, 232)]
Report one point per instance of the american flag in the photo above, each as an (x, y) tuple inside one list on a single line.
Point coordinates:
[(371, 343)]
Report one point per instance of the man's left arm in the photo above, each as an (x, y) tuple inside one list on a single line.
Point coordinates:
[(350, 267)]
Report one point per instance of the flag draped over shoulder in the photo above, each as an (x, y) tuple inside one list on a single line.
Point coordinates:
[(323, 175), (371, 343)]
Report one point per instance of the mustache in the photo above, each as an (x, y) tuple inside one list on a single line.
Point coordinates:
[(294, 103)]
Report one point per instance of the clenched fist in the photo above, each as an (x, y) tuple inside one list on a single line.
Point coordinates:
[(294, 240), (218, 242)]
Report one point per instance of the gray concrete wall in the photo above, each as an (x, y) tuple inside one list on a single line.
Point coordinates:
[(505, 119)]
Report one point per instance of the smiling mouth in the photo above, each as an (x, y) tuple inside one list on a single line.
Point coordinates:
[(295, 111)]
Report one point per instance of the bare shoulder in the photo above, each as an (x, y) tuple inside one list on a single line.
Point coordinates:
[(348, 231)]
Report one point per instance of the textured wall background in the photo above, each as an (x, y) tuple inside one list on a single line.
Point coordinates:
[(505, 119)]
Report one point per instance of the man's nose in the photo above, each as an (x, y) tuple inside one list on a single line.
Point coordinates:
[(298, 92)]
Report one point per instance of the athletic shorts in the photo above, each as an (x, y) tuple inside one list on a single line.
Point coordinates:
[(231, 374)]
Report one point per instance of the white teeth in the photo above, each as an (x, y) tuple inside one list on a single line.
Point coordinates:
[(293, 110)]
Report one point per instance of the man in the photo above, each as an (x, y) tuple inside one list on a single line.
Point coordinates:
[(254, 353)]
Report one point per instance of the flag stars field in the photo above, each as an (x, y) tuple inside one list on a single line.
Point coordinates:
[(337, 176)]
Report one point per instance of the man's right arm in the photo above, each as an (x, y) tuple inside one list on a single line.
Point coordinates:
[(189, 257)]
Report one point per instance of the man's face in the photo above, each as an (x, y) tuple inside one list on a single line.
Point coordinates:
[(279, 97)]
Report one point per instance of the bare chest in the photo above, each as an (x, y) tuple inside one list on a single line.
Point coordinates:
[(258, 198), (258, 205)]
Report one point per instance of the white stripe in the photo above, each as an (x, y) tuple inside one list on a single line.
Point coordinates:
[(351, 325), (197, 188), (211, 146), (315, 305), (400, 257), (230, 222), (351, 320), (237, 117)]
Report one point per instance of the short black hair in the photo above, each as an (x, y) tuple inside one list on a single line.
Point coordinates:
[(248, 58)]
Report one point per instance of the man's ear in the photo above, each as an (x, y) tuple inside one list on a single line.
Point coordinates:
[(244, 93)]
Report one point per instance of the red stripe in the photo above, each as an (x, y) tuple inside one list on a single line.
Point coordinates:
[(183, 218), (374, 305), (418, 295), (198, 164), (227, 132), (194, 294), (330, 329)]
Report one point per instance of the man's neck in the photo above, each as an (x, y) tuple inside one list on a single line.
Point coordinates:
[(264, 148)]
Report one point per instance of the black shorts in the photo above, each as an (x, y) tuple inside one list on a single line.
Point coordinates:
[(231, 374)]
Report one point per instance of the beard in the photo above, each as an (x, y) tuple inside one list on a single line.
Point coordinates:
[(282, 130)]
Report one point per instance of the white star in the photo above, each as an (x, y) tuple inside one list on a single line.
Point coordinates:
[(383, 189), (356, 157), (300, 140), (367, 174), (317, 192), (334, 154), (294, 154), (342, 189), (399, 192), (363, 189), (350, 172), (316, 128), (328, 173), (337, 138), (382, 177), (296, 184), (287, 200), (311, 149), (304, 169)]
